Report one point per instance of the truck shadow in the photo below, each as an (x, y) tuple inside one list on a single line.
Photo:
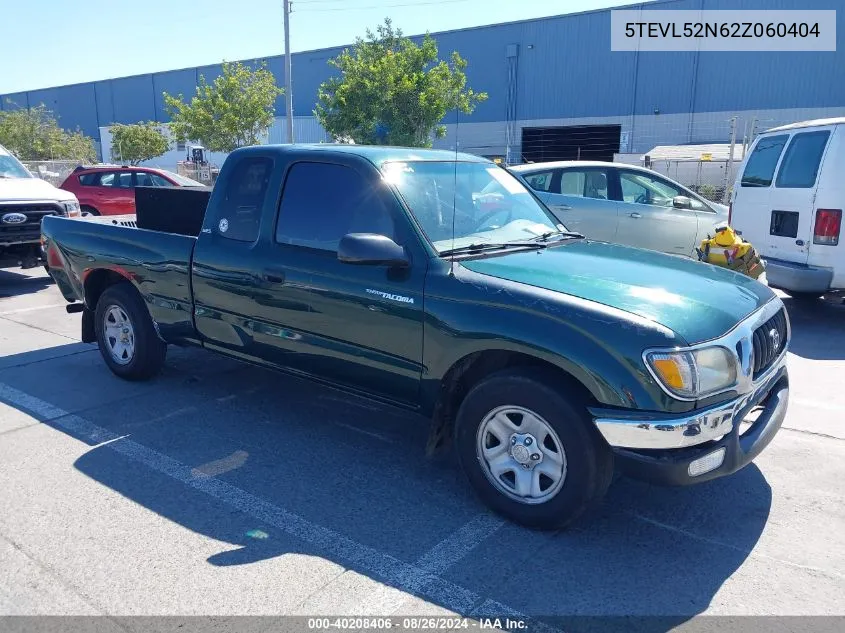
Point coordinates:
[(818, 327), (295, 459)]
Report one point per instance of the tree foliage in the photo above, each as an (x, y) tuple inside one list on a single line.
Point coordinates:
[(138, 142), (34, 134), (392, 91), (233, 111)]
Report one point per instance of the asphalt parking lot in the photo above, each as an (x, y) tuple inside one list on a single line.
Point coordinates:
[(224, 489)]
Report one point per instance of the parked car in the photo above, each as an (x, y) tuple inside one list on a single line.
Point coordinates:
[(788, 200), (547, 358), (110, 189), (624, 204), (24, 201)]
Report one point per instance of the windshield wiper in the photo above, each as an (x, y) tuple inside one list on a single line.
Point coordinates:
[(489, 246), (561, 234)]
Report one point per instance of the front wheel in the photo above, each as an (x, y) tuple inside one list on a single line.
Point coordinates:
[(126, 335), (529, 449)]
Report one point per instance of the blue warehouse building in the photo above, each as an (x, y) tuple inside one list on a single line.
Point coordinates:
[(556, 90)]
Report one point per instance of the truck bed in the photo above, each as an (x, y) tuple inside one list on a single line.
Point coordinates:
[(80, 253)]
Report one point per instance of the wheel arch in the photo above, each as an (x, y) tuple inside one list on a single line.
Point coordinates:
[(95, 284), (475, 366)]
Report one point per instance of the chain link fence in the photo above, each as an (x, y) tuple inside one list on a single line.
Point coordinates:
[(53, 171)]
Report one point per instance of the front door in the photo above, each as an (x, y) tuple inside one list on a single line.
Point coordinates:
[(365, 324), (582, 200), (648, 217)]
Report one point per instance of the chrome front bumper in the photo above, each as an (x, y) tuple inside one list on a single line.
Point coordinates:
[(648, 430), (653, 430)]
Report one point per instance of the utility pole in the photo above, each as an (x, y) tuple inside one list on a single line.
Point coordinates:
[(288, 92), (730, 164)]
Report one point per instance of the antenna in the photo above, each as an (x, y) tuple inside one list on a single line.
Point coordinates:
[(454, 194)]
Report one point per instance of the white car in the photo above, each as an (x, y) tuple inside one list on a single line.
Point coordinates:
[(24, 200), (788, 200), (624, 204)]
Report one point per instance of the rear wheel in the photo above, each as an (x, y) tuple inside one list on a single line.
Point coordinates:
[(805, 296), (126, 335), (86, 210), (530, 451)]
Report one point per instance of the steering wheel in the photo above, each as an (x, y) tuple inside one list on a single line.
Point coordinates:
[(641, 199), (484, 220)]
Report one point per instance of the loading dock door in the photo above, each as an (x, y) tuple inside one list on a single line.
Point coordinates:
[(572, 142)]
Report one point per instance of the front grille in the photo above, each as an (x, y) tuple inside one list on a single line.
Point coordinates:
[(34, 212), (769, 340)]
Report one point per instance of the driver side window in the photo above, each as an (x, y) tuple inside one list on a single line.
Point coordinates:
[(638, 188), (322, 202)]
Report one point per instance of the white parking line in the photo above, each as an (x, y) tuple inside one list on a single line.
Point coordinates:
[(421, 579), (386, 599)]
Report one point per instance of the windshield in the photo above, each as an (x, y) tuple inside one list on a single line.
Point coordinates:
[(10, 167), (483, 202), (182, 181)]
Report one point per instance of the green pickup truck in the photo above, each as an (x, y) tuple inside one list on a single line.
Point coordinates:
[(437, 282)]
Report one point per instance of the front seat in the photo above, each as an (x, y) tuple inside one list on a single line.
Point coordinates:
[(596, 185)]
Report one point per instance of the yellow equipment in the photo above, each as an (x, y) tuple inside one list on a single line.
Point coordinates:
[(729, 250)]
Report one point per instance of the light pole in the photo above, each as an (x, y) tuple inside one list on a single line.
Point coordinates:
[(288, 92)]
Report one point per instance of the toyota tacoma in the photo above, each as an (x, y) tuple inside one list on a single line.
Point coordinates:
[(437, 282)]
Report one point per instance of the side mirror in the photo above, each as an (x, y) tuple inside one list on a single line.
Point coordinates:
[(371, 249), (681, 202)]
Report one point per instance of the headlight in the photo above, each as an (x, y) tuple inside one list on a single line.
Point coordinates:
[(695, 373), (71, 208)]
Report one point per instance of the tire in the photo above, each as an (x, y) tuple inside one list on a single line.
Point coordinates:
[(141, 355), (805, 296), (587, 458), (89, 210)]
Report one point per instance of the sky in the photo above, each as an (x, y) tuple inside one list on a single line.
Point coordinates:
[(57, 42)]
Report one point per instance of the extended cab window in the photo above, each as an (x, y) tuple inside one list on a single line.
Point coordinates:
[(760, 168), (800, 164), (239, 213), (322, 202)]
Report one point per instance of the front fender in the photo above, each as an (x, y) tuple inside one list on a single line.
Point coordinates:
[(598, 346)]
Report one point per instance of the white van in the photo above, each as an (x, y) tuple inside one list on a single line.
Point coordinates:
[(788, 200)]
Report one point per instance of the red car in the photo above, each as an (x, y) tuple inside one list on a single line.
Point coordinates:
[(110, 190)]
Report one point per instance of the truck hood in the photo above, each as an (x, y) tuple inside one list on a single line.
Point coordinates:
[(27, 189), (695, 300)]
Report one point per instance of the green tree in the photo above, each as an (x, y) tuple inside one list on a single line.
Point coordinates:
[(34, 134), (138, 142), (392, 91), (233, 111)]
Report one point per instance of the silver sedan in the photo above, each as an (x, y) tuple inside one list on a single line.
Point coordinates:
[(624, 204)]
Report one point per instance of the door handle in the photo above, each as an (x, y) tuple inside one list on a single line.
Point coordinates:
[(562, 207), (274, 276), (636, 215)]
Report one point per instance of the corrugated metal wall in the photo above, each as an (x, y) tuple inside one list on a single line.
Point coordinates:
[(566, 70)]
